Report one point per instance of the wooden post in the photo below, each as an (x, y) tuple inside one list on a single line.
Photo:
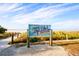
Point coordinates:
[(28, 41), (50, 43), (41, 39), (66, 37), (17, 35), (12, 38)]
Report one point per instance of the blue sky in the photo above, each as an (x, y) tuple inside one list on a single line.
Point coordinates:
[(60, 16)]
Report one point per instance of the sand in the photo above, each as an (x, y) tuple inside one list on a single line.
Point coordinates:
[(34, 50), (73, 49)]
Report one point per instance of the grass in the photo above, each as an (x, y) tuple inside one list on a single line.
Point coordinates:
[(66, 42), (57, 35), (5, 35)]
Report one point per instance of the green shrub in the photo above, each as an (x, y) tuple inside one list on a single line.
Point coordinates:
[(2, 30), (34, 39)]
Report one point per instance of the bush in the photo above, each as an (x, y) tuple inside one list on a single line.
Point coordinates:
[(61, 35), (45, 38), (35, 39), (57, 35), (5, 35), (2, 30)]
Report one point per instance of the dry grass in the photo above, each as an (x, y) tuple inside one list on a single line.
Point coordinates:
[(73, 49), (4, 35), (63, 42), (66, 42), (71, 46)]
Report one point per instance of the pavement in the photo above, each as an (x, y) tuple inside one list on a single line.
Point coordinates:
[(34, 50)]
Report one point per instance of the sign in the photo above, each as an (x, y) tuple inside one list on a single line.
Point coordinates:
[(39, 30)]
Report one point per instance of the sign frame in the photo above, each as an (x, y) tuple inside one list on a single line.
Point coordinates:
[(50, 36), (39, 30)]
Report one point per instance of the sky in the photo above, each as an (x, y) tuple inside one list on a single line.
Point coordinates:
[(61, 16)]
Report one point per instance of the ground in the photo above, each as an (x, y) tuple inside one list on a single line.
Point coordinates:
[(34, 50), (73, 49)]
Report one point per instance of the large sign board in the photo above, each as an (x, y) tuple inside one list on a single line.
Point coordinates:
[(39, 30)]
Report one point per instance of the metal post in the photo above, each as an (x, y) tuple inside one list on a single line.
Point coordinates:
[(28, 41), (50, 38)]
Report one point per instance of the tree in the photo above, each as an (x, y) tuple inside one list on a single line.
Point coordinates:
[(2, 29)]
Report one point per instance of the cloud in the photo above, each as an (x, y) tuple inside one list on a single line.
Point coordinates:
[(42, 14), (7, 7), (67, 22), (70, 24)]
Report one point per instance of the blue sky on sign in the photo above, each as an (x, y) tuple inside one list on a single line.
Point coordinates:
[(59, 16)]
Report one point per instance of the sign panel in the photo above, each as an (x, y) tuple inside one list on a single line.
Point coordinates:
[(39, 30)]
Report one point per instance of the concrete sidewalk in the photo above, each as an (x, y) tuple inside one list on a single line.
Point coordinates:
[(35, 50)]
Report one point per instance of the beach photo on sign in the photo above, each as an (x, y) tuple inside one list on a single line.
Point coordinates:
[(39, 29)]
